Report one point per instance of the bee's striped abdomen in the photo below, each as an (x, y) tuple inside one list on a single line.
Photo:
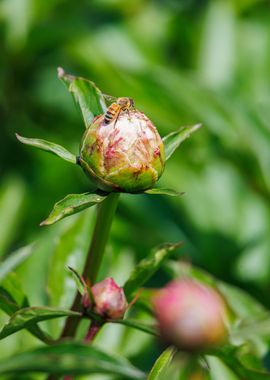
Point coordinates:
[(111, 113)]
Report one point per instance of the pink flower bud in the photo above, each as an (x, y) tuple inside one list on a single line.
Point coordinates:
[(125, 155), (109, 299), (190, 315)]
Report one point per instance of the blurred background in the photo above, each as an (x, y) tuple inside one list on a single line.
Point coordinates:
[(183, 62)]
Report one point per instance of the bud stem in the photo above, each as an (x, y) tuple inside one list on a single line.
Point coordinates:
[(92, 331), (106, 211)]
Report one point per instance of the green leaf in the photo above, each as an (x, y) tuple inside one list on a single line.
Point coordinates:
[(158, 370), (230, 356), (48, 146), (14, 260), (40, 334), (72, 204), (174, 139), (11, 291), (147, 267), (7, 302), (12, 196), (142, 326), (70, 249), (10, 294), (242, 303), (86, 94), (25, 318), (250, 329), (69, 358), (157, 191)]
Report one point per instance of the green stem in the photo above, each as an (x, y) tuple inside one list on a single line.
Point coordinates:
[(93, 330), (106, 211)]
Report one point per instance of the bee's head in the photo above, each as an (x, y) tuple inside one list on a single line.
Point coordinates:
[(125, 102)]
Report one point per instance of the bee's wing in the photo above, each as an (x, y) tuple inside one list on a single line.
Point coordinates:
[(109, 98)]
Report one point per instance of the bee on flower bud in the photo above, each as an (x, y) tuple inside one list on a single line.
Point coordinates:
[(190, 315), (107, 299), (120, 105)]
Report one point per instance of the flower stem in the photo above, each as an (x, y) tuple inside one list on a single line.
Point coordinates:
[(92, 332), (102, 229), (106, 211)]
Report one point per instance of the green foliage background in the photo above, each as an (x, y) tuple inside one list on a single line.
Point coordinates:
[(183, 62)]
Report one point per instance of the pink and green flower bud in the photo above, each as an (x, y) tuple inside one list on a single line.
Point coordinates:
[(191, 316), (109, 299), (125, 155)]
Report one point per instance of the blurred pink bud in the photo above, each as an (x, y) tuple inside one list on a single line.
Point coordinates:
[(191, 316), (110, 301)]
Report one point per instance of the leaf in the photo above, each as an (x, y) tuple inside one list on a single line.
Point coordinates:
[(69, 358), (142, 326), (12, 196), (10, 292), (86, 94), (72, 204), (230, 356), (48, 146), (157, 191), (161, 364), (250, 329), (70, 249), (7, 302), (25, 318), (147, 267), (174, 139), (15, 259)]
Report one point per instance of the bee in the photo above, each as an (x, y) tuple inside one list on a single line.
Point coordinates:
[(114, 110)]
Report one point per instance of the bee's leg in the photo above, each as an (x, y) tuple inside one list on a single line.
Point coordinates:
[(128, 112), (116, 118)]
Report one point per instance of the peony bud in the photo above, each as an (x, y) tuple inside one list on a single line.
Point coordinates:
[(109, 299), (126, 154), (190, 315)]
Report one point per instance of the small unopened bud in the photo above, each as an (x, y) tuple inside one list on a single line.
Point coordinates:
[(126, 154), (191, 316), (109, 299)]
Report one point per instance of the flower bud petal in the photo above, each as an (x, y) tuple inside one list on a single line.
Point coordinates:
[(109, 298), (190, 315), (125, 155)]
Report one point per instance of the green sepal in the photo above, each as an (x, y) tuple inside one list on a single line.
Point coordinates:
[(50, 147), (72, 204), (157, 191), (80, 284), (86, 94), (174, 139)]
